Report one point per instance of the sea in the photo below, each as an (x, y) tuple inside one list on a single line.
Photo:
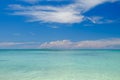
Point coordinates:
[(53, 64)]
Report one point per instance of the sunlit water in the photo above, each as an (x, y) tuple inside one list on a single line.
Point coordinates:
[(59, 64)]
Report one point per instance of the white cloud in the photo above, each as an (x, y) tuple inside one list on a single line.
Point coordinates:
[(31, 1), (49, 13), (72, 13), (5, 44), (36, 1), (99, 20), (67, 44), (9, 44), (88, 4)]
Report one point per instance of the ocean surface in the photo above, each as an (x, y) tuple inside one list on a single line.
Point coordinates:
[(59, 64)]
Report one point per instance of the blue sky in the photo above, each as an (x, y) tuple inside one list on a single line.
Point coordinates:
[(59, 24)]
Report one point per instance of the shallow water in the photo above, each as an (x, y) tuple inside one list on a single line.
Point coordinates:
[(59, 64)]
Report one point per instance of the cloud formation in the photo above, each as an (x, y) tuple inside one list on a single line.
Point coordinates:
[(6, 44), (99, 20), (71, 13), (31, 1), (36, 1), (66, 44), (95, 44), (11, 44)]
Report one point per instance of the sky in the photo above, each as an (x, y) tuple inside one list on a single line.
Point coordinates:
[(61, 24)]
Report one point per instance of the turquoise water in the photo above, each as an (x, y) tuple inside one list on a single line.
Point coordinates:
[(59, 64)]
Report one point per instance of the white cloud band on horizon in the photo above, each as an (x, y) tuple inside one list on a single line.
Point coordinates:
[(71, 13), (10, 44), (66, 44), (88, 44)]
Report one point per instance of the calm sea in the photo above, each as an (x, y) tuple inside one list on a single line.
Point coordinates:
[(59, 64)]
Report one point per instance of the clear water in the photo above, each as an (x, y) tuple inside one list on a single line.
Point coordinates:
[(59, 64)]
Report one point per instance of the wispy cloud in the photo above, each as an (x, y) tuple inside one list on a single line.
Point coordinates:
[(67, 44), (49, 13), (18, 44), (35, 1), (6, 44), (31, 1), (72, 13), (99, 20)]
